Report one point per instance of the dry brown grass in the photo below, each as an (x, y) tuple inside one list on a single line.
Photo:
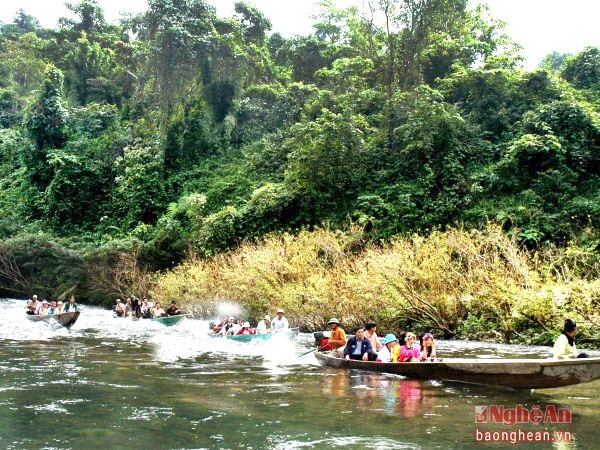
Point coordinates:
[(432, 282)]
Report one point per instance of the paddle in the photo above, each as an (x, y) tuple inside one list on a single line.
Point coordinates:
[(306, 353)]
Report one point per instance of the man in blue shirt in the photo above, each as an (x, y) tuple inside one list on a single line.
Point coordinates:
[(359, 347)]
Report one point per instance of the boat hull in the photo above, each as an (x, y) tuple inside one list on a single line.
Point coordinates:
[(290, 334), (65, 319), (512, 373), (169, 321)]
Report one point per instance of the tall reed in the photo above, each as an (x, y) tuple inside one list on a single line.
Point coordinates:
[(458, 283)]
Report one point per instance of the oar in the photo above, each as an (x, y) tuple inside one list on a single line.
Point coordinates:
[(306, 353)]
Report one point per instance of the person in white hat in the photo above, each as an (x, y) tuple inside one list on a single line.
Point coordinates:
[(280, 323), (264, 326), (245, 329), (119, 308)]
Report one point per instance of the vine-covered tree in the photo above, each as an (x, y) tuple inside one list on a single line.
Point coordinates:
[(45, 121)]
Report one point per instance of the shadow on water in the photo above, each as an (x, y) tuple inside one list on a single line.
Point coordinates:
[(116, 383)]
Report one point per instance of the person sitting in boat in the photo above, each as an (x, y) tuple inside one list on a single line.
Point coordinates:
[(338, 335), (33, 305), (72, 306), (280, 323), (52, 308), (427, 347), (173, 310), (216, 327), (359, 347), (136, 306), (245, 329), (128, 308), (371, 335), (59, 307), (390, 352), (119, 309), (157, 311), (264, 326), (45, 309), (146, 309), (564, 346), (410, 351), (237, 326), (228, 327)]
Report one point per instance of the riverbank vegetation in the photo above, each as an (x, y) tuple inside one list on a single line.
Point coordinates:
[(135, 154), (469, 284)]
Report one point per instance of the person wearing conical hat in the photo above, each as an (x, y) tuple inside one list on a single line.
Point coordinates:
[(338, 335)]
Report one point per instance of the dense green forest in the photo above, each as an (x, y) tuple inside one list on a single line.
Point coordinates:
[(131, 146)]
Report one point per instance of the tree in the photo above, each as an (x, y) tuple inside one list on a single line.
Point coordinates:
[(89, 69), (553, 61), (23, 63), (326, 160), (22, 23), (45, 121), (583, 69), (178, 36), (436, 153), (89, 14), (138, 194), (254, 23)]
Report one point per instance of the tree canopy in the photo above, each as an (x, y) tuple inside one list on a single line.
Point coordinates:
[(422, 121)]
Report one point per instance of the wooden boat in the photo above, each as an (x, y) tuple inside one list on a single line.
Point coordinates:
[(65, 319), (512, 373), (170, 320), (290, 334)]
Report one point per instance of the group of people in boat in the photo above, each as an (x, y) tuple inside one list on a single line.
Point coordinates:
[(366, 345), (142, 308), (230, 326), (35, 307)]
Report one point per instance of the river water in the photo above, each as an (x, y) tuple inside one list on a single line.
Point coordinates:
[(113, 383)]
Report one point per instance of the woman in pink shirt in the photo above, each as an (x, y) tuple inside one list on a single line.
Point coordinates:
[(410, 351)]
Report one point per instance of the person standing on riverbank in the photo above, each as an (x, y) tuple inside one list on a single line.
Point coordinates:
[(280, 323)]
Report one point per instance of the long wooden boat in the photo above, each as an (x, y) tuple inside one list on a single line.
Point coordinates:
[(290, 334), (170, 320), (512, 373), (65, 319)]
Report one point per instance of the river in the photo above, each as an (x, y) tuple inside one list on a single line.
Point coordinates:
[(113, 383)]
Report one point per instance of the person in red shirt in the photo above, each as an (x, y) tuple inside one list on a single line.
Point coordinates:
[(246, 329)]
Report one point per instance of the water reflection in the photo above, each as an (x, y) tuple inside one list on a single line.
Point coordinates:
[(105, 375), (390, 394)]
